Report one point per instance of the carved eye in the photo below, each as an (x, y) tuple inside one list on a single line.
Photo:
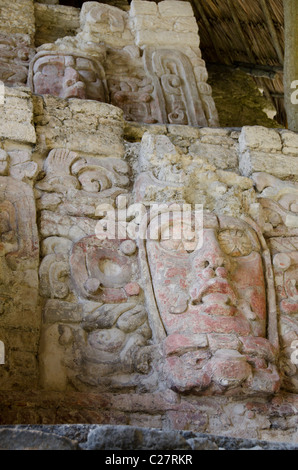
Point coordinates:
[(51, 69), (177, 239), (235, 242)]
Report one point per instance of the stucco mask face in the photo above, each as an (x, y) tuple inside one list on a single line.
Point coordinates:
[(68, 76), (211, 299), (216, 288)]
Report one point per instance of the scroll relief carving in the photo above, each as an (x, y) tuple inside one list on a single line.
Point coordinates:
[(279, 214), (19, 257), (16, 53), (94, 314), (175, 87), (130, 88)]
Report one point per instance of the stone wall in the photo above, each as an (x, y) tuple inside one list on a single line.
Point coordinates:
[(113, 310), (66, 158), (96, 437)]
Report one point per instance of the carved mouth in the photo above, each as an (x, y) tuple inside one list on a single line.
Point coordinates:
[(216, 294)]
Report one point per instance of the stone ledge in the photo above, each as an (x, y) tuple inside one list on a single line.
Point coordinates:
[(95, 437)]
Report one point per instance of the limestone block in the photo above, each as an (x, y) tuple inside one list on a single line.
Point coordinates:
[(102, 22), (274, 163), (76, 70), (259, 138), (186, 24), (183, 131), (134, 131), (167, 38), (17, 115), (290, 142), (138, 7), (81, 125), (220, 156), (152, 23), (17, 17), (24, 170), (55, 21), (176, 95), (175, 8)]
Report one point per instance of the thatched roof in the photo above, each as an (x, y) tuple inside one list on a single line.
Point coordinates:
[(248, 34)]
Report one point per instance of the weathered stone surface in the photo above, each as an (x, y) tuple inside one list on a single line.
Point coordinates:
[(19, 309), (18, 17), (218, 155), (80, 125), (259, 138), (275, 164), (16, 52), (143, 8), (17, 116), (177, 96), (159, 87), (68, 75), (167, 8), (174, 38), (129, 324), (55, 21), (208, 301), (290, 142), (261, 151), (94, 437), (27, 439)]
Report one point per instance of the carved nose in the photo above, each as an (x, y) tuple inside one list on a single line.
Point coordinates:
[(71, 76), (211, 261), (211, 271)]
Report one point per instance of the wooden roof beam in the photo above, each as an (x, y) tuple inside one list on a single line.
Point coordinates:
[(240, 32), (201, 12), (272, 31)]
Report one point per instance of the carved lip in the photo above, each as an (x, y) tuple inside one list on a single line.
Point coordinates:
[(216, 291), (75, 89)]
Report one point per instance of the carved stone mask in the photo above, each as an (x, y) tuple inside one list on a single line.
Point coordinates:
[(218, 288), (68, 76), (210, 300)]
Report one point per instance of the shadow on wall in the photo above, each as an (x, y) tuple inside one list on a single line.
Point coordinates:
[(238, 100)]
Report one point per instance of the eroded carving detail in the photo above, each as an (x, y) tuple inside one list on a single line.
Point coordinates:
[(68, 75), (19, 257), (94, 316), (16, 52), (175, 87), (279, 215)]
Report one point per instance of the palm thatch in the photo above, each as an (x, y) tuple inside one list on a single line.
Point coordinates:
[(248, 35)]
